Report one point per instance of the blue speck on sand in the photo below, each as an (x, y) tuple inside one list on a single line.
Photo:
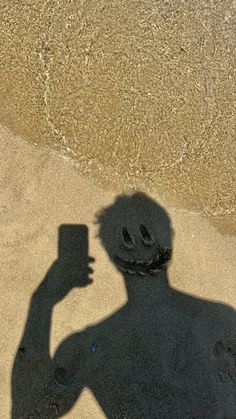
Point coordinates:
[(94, 347)]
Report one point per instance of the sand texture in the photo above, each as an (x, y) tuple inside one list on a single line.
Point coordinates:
[(118, 346), (117, 140)]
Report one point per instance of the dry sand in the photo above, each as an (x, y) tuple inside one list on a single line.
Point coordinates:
[(39, 192)]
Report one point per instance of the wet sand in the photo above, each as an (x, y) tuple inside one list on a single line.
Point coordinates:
[(39, 192), (139, 93)]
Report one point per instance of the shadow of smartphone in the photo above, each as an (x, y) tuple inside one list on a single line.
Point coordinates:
[(73, 251)]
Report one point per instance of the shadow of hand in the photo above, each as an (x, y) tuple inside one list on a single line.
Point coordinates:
[(62, 277)]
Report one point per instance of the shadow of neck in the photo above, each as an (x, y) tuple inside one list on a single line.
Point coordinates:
[(147, 289)]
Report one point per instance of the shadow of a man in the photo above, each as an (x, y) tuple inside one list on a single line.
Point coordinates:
[(164, 354)]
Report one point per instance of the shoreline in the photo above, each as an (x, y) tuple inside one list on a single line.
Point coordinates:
[(224, 223)]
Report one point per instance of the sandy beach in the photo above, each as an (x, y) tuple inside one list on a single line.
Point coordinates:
[(117, 143), (40, 192)]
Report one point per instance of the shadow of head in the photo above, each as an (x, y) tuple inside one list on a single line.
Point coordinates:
[(134, 230)]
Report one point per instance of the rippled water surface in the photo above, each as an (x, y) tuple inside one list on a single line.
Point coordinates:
[(138, 93)]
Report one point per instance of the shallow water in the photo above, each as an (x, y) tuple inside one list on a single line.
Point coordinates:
[(140, 94)]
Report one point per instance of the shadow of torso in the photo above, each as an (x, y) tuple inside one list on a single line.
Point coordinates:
[(175, 359)]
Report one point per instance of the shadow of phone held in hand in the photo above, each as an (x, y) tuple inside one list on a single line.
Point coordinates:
[(164, 354)]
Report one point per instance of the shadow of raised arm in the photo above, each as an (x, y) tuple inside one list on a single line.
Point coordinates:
[(33, 366)]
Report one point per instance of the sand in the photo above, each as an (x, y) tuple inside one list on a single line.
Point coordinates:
[(99, 99), (41, 191)]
